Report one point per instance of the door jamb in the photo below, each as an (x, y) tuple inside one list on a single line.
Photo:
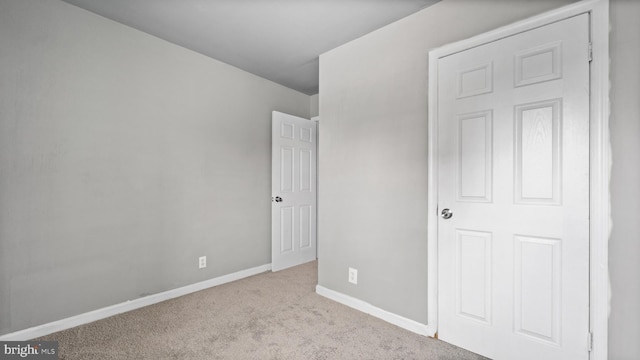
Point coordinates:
[(316, 119), (599, 162)]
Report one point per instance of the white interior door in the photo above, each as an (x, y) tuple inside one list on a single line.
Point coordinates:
[(513, 169), (293, 189)]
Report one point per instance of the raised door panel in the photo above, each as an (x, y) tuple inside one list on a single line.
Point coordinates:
[(286, 169), (539, 64), (287, 131), (476, 80), (305, 226), (475, 157), (537, 149), (474, 275), (287, 225), (537, 288), (305, 169), (306, 134)]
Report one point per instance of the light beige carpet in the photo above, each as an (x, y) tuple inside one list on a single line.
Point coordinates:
[(267, 316)]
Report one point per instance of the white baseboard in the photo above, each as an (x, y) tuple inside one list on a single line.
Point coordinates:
[(365, 307), (91, 316)]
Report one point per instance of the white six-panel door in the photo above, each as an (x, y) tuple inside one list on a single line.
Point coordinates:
[(293, 186), (513, 155)]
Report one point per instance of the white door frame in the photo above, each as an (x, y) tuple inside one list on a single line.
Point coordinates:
[(316, 119), (599, 147)]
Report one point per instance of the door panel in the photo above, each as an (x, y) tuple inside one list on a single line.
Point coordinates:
[(286, 229), (537, 148), (513, 167), (305, 170), (475, 157), (294, 191), (537, 288), (473, 295), (286, 169)]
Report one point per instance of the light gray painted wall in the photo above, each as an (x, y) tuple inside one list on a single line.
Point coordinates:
[(122, 159), (624, 249), (373, 151), (314, 101)]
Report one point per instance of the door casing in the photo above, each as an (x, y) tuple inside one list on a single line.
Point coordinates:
[(599, 147)]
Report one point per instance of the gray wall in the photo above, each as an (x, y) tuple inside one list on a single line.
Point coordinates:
[(314, 101), (624, 249), (373, 151), (122, 159)]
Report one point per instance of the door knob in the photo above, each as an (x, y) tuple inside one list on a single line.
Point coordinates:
[(278, 199), (446, 214)]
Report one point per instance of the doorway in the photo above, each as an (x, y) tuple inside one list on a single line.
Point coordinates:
[(485, 272), (293, 190)]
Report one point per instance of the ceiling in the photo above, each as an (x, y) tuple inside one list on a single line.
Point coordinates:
[(279, 40)]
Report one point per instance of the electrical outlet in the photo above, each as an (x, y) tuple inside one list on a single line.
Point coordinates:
[(353, 276), (202, 262)]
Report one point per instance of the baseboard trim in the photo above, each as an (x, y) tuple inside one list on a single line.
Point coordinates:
[(365, 307), (91, 316)]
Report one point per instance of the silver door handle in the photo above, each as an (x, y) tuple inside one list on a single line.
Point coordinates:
[(278, 199), (446, 214)]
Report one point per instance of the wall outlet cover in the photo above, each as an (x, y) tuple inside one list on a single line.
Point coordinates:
[(202, 262), (353, 276)]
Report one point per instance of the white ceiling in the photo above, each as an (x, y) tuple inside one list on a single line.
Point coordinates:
[(279, 40)]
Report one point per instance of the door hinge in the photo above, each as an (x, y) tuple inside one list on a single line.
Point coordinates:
[(590, 52), (590, 342)]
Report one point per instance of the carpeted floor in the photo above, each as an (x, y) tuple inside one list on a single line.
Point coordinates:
[(267, 316)]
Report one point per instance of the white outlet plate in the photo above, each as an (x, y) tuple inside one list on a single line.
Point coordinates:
[(353, 276), (202, 262)]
